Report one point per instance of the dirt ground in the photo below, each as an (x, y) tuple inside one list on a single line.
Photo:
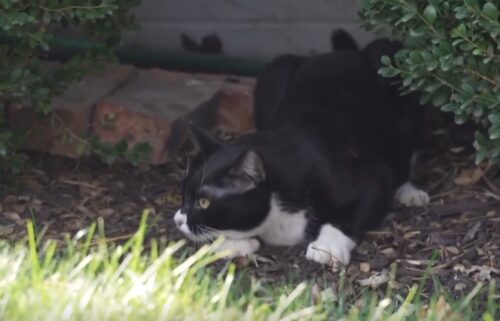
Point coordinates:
[(456, 239)]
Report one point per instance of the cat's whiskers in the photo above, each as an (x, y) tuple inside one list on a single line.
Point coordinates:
[(203, 173), (203, 234)]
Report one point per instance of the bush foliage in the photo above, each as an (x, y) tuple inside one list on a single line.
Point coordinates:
[(452, 54), (26, 30)]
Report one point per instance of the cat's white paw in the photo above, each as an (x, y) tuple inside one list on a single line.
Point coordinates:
[(407, 194), (238, 248), (332, 247)]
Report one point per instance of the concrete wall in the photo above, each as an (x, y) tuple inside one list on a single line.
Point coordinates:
[(247, 28)]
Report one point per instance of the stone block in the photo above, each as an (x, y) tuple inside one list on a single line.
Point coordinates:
[(62, 132), (148, 109)]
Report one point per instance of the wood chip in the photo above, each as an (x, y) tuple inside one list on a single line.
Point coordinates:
[(452, 250), (375, 280), (364, 267), (471, 234), (460, 286), (469, 176)]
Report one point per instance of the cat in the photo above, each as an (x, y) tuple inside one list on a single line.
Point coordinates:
[(333, 148)]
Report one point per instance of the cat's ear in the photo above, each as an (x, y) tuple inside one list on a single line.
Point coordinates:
[(250, 166), (206, 142)]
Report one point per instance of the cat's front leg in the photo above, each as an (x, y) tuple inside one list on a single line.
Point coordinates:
[(409, 195), (238, 248), (332, 247)]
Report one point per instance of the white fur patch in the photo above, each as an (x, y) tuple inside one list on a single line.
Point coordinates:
[(409, 195), (239, 247), (280, 227), (331, 247), (180, 220)]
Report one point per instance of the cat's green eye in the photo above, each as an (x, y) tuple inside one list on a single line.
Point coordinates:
[(203, 203)]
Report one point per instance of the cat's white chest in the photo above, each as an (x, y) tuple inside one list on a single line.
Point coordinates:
[(282, 227)]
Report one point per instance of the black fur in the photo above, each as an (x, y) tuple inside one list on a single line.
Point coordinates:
[(334, 138), (342, 40)]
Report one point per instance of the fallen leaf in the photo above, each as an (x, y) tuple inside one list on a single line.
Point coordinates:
[(482, 273), (6, 231), (19, 208), (375, 280), (471, 234), (469, 176), (452, 250), (364, 267), (388, 251), (459, 268), (13, 216), (460, 286), (457, 150), (409, 235), (9, 199), (417, 262)]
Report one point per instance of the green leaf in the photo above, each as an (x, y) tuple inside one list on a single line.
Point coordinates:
[(461, 12), (388, 72), (460, 119), (385, 60), (433, 87), (481, 139), (468, 89), (466, 46), (407, 17), (416, 57), (481, 155), (495, 134), (430, 13), (494, 119), (490, 10), (440, 98), (120, 147), (425, 98), (3, 149), (44, 45), (449, 107)]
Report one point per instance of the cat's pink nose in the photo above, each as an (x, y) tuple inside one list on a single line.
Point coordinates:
[(179, 218)]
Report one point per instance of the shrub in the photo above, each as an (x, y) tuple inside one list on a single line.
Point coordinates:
[(26, 30), (452, 54)]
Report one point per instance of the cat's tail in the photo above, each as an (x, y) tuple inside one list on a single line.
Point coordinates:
[(342, 40)]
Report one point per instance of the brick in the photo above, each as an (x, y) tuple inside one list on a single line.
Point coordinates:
[(230, 110), (150, 107), (116, 122), (235, 113), (61, 134), (57, 135)]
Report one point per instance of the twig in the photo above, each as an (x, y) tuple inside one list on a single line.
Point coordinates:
[(77, 183)]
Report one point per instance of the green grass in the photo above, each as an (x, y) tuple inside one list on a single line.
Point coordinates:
[(90, 279)]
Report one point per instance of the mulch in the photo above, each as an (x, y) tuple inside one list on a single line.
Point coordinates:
[(455, 239)]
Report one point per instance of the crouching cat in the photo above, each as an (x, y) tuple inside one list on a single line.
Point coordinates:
[(333, 148)]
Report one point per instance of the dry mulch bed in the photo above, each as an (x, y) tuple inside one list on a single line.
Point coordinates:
[(456, 238)]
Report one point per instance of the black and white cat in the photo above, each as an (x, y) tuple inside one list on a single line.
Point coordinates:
[(333, 148)]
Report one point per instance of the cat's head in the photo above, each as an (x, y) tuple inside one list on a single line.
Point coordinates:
[(224, 191)]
